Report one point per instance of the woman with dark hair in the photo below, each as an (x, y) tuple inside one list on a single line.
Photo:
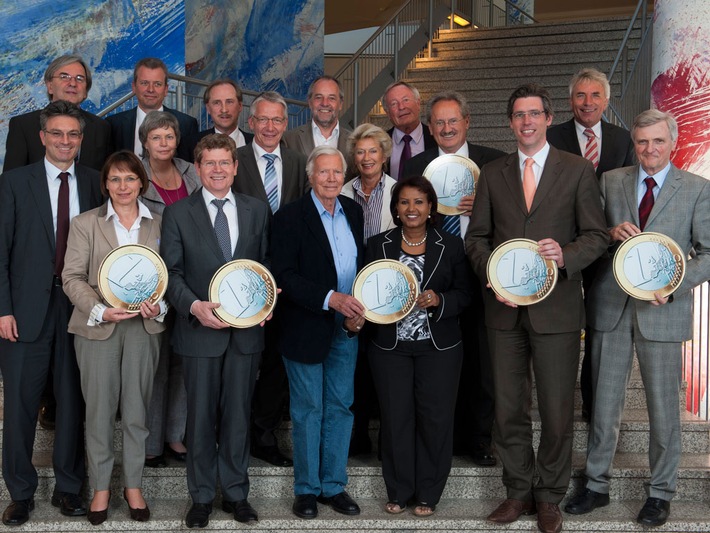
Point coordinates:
[(416, 361), (116, 350)]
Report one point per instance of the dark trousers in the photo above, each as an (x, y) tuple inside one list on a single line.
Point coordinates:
[(25, 366), (416, 386)]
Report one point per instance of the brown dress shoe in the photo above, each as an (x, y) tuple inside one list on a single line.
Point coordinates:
[(510, 510), (549, 518)]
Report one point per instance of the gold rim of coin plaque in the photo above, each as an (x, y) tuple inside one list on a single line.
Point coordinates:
[(519, 274), (130, 275), (647, 263), (246, 292), (387, 289), (437, 172)]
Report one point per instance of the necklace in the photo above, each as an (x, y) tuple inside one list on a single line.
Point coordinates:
[(414, 244)]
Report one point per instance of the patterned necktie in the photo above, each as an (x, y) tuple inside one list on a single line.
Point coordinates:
[(452, 225), (60, 248), (271, 184), (529, 186), (591, 151), (406, 155), (646, 204), (221, 229)]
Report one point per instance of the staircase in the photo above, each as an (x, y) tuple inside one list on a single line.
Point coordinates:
[(471, 493), (486, 65)]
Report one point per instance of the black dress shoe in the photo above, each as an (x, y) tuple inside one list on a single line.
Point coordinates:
[(47, 414), (139, 514), (198, 515), (654, 512), (18, 512), (341, 503), (271, 454), (242, 511), (98, 517), (482, 455), (178, 456), (586, 501), (305, 506), (156, 462), (69, 504)]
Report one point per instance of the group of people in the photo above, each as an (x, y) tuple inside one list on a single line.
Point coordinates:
[(454, 375)]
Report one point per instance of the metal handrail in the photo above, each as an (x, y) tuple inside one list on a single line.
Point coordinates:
[(522, 12)]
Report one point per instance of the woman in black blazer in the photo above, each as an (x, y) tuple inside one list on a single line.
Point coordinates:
[(416, 361)]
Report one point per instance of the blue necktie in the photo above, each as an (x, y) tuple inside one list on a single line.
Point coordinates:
[(271, 185), (452, 225), (221, 230)]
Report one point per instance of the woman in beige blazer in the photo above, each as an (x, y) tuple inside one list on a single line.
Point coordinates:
[(117, 351)]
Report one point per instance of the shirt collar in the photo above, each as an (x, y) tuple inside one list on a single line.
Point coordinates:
[(321, 209), (143, 211), (208, 197), (597, 129), (316, 130), (463, 150), (540, 157), (259, 151), (54, 171), (659, 177), (416, 134)]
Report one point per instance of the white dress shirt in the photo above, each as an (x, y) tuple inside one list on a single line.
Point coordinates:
[(319, 139), (261, 162), (53, 182), (237, 136), (582, 138)]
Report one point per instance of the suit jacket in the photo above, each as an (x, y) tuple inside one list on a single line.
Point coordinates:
[(303, 265), (27, 242), (446, 272), (566, 208), (23, 145), (682, 212), (190, 250), (476, 153), (386, 221), (123, 129), (91, 239), (617, 147), (249, 182), (301, 139), (248, 137)]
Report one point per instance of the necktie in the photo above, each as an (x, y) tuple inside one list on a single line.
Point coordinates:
[(406, 155), (646, 202), (591, 151), (60, 248), (452, 225), (221, 230), (529, 182), (271, 184)]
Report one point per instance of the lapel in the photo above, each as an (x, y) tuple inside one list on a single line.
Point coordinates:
[(606, 157), (432, 259), (106, 227), (392, 244), (512, 178), (83, 186), (144, 233), (311, 218), (201, 218), (629, 185), (288, 180), (550, 174), (251, 184), (570, 138), (244, 223), (307, 139), (40, 192), (129, 128), (671, 185)]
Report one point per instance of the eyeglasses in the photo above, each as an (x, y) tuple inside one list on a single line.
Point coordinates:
[(128, 180), (66, 78), (145, 84), (520, 115), (276, 121), (224, 164), (58, 135), (452, 122)]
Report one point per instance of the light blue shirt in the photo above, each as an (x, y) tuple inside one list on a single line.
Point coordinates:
[(342, 246), (660, 177)]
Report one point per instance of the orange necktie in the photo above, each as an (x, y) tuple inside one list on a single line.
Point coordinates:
[(529, 182)]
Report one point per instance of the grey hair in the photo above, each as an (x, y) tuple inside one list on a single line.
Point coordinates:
[(370, 131), (654, 116), (323, 150), (391, 86), (157, 120), (590, 74), (449, 96), (269, 96), (63, 61)]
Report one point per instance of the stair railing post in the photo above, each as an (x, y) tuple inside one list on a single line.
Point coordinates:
[(396, 48), (431, 27), (356, 92)]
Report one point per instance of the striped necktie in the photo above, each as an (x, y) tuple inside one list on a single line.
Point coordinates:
[(271, 184), (591, 151)]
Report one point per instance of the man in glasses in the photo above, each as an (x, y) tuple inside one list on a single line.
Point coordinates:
[(150, 85), (67, 78), (275, 174)]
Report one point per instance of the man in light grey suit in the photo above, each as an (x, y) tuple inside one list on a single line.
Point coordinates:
[(325, 98), (200, 234), (679, 206)]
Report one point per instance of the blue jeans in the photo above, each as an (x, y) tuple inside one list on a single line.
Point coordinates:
[(321, 396)]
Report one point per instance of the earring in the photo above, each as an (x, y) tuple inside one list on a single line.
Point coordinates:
[(429, 215)]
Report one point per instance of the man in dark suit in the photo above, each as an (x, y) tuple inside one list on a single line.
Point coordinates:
[(448, 116), (402, 104), (551, 197), (36, 204), (67, 78), (325, 99), (150, 85), (658, 197), (266, 164), (199, 235), (223, 101), (317, 249), (582, 135)]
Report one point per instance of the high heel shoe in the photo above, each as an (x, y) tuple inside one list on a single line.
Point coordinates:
[(139, 515), (98, 517)]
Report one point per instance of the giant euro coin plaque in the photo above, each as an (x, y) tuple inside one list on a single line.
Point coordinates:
[(649, 263), (387, 289), (453, 177), (246, 292), (130, 275), (519, 274)]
